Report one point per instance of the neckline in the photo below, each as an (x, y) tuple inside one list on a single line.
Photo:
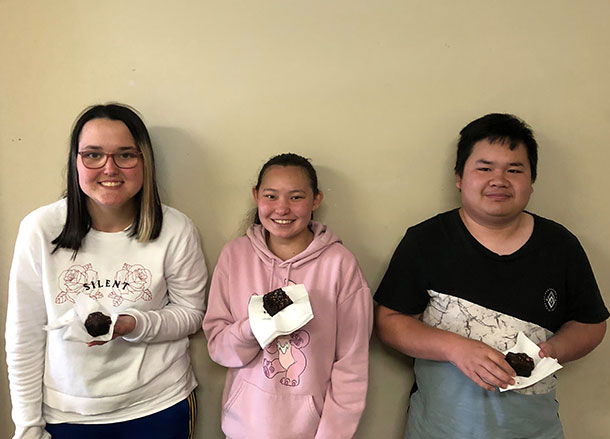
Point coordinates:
[(521, 250), (109, 235)]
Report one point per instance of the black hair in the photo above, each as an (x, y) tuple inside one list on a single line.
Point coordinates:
[(289, 159), (497, 127), (149, 214)]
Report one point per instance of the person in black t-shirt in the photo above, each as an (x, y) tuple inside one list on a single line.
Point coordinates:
[(463, 283)]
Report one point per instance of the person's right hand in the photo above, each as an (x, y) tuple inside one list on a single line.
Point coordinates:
[(484, 365), (124, 324)]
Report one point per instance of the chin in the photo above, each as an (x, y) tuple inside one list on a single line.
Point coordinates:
[(112, 203)]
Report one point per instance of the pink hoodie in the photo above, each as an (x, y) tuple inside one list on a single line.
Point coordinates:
[(312, 383)]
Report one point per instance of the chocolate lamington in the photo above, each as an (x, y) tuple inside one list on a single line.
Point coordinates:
[(97, 324), (522, 363), (275, 301)]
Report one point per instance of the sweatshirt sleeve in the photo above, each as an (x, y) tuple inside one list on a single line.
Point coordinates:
[(231, 342), (25, 338), (346, 395), (186, 276)]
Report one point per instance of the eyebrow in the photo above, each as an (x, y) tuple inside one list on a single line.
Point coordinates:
[(489, 162), (290, 192), (121, 148)]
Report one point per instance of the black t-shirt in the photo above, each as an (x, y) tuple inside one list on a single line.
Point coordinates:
[(548, 281)]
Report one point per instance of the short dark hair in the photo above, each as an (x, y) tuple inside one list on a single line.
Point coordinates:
[(149, 214), (289, 159), (497, 127)]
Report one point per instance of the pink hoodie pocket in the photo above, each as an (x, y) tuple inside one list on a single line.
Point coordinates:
[(252, 413)]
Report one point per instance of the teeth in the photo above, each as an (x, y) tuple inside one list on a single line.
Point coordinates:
[(283, 221), (110, 183)]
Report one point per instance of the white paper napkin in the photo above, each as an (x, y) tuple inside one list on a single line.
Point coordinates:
[(543, 367), (74, 321), (295, 316)]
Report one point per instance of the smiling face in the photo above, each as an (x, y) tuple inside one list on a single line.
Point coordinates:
[(109, 187), (285, 201), (496, 184)]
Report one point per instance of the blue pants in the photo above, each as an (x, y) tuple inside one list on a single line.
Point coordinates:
[(176, 422)]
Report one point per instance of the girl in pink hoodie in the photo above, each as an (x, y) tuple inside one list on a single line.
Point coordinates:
[(311, 383)]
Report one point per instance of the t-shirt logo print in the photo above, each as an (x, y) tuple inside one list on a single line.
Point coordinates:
[(131, 283), (76, 279), (136, 280), (550, 299)]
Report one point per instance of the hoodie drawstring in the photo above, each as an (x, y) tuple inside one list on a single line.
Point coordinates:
[(285, 281), (269, 287), (289, 269)]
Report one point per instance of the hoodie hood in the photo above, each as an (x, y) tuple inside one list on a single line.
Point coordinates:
[(323, 238)]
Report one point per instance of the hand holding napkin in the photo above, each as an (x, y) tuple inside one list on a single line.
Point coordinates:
[(543, 367), (267, 328)]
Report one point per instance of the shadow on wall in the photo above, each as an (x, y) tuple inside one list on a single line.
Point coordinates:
[(186, 176), (386, 399), (356, 204), (450, 194)]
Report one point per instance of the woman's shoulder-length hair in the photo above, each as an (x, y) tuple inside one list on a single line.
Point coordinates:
[(149, 213)]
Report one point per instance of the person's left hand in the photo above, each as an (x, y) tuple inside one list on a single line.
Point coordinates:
[(124, 325), (546, 350)]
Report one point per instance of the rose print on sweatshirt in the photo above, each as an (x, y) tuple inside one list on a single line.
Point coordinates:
[(73, 280), (288, 359), (135, 281)]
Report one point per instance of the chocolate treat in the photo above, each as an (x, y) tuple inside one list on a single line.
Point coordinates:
[(97, 324), (275, 301), (522, 363)]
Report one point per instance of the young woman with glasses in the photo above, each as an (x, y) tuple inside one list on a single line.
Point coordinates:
[(112, 242)]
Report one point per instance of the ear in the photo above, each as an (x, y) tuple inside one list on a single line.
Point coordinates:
[(255, 194), (458, 182), (317, 200)]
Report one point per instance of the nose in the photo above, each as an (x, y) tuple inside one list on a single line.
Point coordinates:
[(498, 179), (282, 207), (110, 168)]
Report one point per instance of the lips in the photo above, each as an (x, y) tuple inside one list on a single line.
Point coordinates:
[(498, 195), (111, 184)]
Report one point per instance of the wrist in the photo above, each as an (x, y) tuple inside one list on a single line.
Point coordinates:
[(137, 331), (453, 346), (125, 324)]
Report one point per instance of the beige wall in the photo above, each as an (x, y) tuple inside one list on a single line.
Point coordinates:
[(374, 92)]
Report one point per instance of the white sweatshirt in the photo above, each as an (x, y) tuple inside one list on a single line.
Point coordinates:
[(160, 283)]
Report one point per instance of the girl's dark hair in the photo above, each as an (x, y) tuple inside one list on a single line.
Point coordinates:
[(497, 127), (289, 159), (149, 213)]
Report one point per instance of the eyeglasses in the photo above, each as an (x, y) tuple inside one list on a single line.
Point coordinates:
[(98, 159)]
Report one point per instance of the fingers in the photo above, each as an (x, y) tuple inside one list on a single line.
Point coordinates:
[(482, 383), (485, 380), (542, 353), (484, 365), (497, 375), (96, 343), (545, 350)]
